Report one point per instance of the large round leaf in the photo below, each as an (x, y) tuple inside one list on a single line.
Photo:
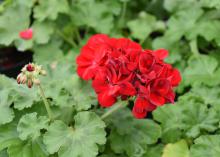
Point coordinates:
[(80, 140)]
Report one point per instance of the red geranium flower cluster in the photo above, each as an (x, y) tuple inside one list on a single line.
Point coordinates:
[(121, 68)]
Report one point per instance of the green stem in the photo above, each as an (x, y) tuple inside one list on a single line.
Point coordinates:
[(46, 103), (71, 42), (114, 108), (124, 8), (194, 47), (78, 35)]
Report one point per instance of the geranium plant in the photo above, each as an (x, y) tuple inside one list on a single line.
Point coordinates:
[(122, 74), (116, 95)]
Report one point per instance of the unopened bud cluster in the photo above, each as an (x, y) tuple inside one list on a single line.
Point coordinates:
[(30, 74)]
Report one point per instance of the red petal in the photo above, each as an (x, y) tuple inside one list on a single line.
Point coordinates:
[(100, 84), (157, 100), (106, 100), (137, 114), (138, 111), (86, 73), (170, 96), (146, 61), (176, 78), (161, 53), (127, 89), (161, 86), (143, 103), (98, 39)]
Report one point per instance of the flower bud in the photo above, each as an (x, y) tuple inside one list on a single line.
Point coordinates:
[(36, 81), (29, 83), (30, 67), (43, 72), (30, 74), (19, 78), (23, 79)]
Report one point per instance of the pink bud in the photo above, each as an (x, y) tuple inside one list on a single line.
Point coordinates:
[(26, 34)]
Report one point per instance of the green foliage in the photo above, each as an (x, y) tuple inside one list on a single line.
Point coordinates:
[(70, 141), (30, 126), (132, 141), (11, 26), (50, 9), (179, 149), (189, 29), (206, 146)]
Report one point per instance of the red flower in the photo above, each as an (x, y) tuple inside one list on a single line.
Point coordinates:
[(26, 34), (121, 68)]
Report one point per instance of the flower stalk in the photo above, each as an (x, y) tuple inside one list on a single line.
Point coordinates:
[(46, 103)]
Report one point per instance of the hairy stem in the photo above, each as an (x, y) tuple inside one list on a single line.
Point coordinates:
[(46, 103)]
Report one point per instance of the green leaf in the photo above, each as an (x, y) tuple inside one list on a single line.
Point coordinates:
[(170, 117), (83, 94), (206, 146), (142, 26), (30, 126), (71, 92), (11, 26), (211, 4), (50, 9), (8, 136), (6, 113), (201, 69), (80, 140), (134, 140), (178, 149), (48, 52), (27, 3), (100, 19), (178, 25), (199, 118), (24, 97), (154, 151), (42, 31), (28, 149), (207, 28), (176, 5), (210, 96), (3, 153), (20, 95)]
